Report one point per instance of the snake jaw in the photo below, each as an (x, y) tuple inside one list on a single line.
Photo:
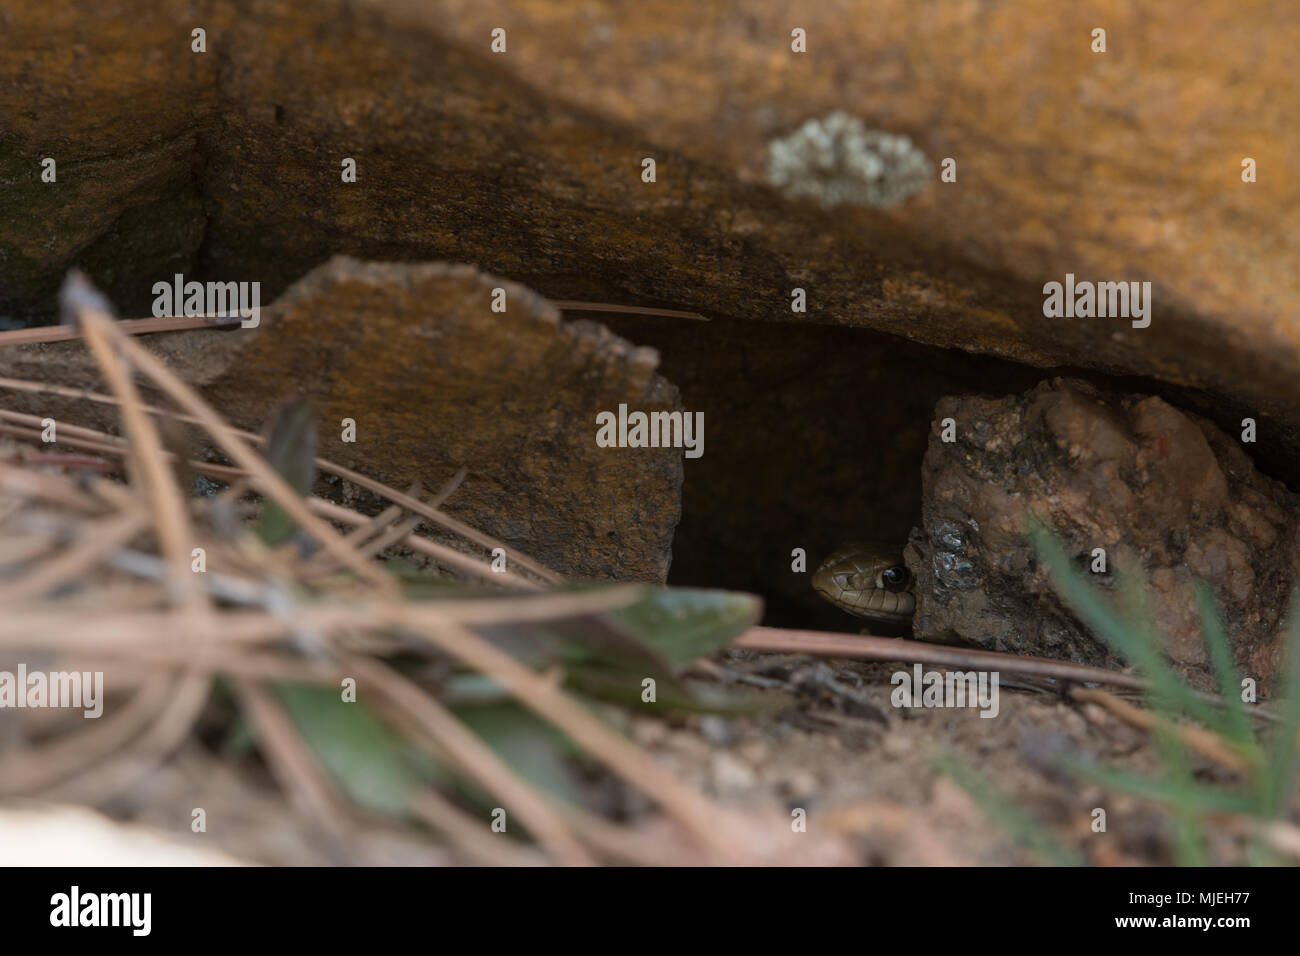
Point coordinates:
[(852, 578)]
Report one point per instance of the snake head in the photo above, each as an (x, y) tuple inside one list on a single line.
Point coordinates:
[(867, 579)]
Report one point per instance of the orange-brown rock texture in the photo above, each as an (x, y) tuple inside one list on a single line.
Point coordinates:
[(1167, 497), (434, 381), (1116, 165)]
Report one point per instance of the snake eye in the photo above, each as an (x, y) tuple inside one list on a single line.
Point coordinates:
[(896, 578)]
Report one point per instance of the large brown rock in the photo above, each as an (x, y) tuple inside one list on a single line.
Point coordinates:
[(121, 106), (1167, 495), (1114, 166), (435, 381)]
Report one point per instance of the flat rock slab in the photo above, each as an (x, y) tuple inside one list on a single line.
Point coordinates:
[(1168, 496), (1116, 166), (435, 381)]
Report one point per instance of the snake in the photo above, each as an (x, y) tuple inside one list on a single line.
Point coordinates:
[(867, 579)]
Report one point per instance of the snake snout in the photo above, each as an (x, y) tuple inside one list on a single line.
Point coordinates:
[(824, 583), (867, 580)]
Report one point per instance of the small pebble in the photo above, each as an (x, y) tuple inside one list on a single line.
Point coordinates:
[(897, 744), (797, 782), (716, 730), (649, 733), (690, 744), (731, 774), (753, 751)]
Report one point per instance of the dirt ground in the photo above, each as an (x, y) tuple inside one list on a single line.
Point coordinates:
[(860, 766)]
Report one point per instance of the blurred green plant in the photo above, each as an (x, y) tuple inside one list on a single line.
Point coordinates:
[(606, 656), (291, 451), (1008, 814), (1264, 793), (1269, 759)]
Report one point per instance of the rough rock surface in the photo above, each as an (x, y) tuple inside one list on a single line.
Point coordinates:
[(1116, 166), (1166, 494), (435, 380)]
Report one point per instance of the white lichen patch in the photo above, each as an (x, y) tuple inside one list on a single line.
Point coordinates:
[(837, 160)]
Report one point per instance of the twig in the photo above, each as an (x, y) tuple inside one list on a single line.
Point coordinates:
[(449, 556), (21, 550), (448, 489), (565, 306), (84, 462), (439, 517), (469, 835), (339, 471), (440, 552), (170, 727), (895, 649), (56, 489), (628, 845), (1203, 741), (186, 323), (830, 644), (397, 533), (72, 629), (267, 479), (234, 662), (171, 517), (163, 323), (101, 537), (376, 524), (37, 768)]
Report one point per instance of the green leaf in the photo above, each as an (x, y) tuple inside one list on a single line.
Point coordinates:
[(624, 687), (1136, 643), (368, 760), (1190, 839), (608, 655), (291, 451), (529, 745), (684, 624), (669, 628), (1282, 757), (1237, 726), (1205, 799), (1170, 697)]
